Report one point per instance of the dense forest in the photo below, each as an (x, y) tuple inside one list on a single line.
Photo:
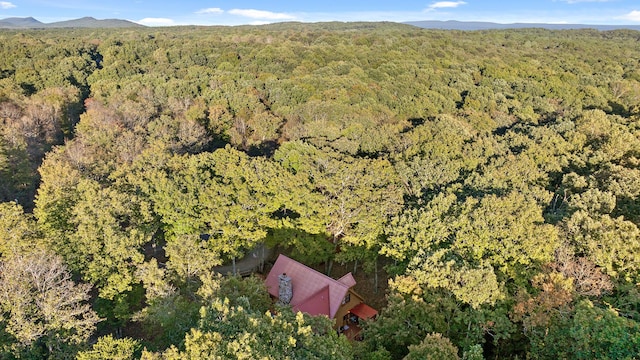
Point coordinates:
[(493, 177)]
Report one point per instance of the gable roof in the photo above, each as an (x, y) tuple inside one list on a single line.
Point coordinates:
[(313, 292), (348, 280), (316, 304)]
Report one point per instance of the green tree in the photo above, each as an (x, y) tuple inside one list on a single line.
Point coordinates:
[(109, 348), (213, 195), (171, 312), (472, 247), (611, 243), (99, 230), (405, 321), (227, 332), (432, 155), (18, 232), (590, 333), (425, 227), (110, 231), (414, 311), (474, 353), (167, 319), (224, 203), (359, 195), (57, 194), (508, 232), (239, 290), (473, 284), (433, 347)]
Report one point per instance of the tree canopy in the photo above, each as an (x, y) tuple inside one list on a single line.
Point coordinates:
[(491, 177)]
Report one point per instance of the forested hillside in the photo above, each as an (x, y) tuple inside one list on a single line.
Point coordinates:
[(493, 175)]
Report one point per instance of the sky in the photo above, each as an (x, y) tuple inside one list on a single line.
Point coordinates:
[(242, 12)]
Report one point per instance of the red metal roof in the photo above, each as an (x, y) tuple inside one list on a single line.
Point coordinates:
[(316, 304), (348, 280), (313, 292), (364, 311)]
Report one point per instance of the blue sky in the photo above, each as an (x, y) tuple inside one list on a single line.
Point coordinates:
[(238, 12)]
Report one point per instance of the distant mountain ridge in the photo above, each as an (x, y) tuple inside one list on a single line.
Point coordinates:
[(90, 22), (85, 22), (17, 22), (479, 25)]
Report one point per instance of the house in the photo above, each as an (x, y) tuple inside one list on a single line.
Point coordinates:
[(310, 291)]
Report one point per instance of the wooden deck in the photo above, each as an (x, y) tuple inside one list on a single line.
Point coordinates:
[(353, 332)]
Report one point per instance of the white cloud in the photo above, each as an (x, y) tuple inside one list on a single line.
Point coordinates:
[(446, 4), (210, 11), (6, 5), (261, 14), (156, 22), (633, 16)]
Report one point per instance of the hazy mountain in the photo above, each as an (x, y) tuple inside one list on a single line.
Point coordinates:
[(89, 22), (16, 22), (478, 25), (85, 22)]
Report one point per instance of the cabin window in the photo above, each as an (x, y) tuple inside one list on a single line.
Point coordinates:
[(346, 299)]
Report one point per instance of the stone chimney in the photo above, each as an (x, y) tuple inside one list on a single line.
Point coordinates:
[(285, 289)]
